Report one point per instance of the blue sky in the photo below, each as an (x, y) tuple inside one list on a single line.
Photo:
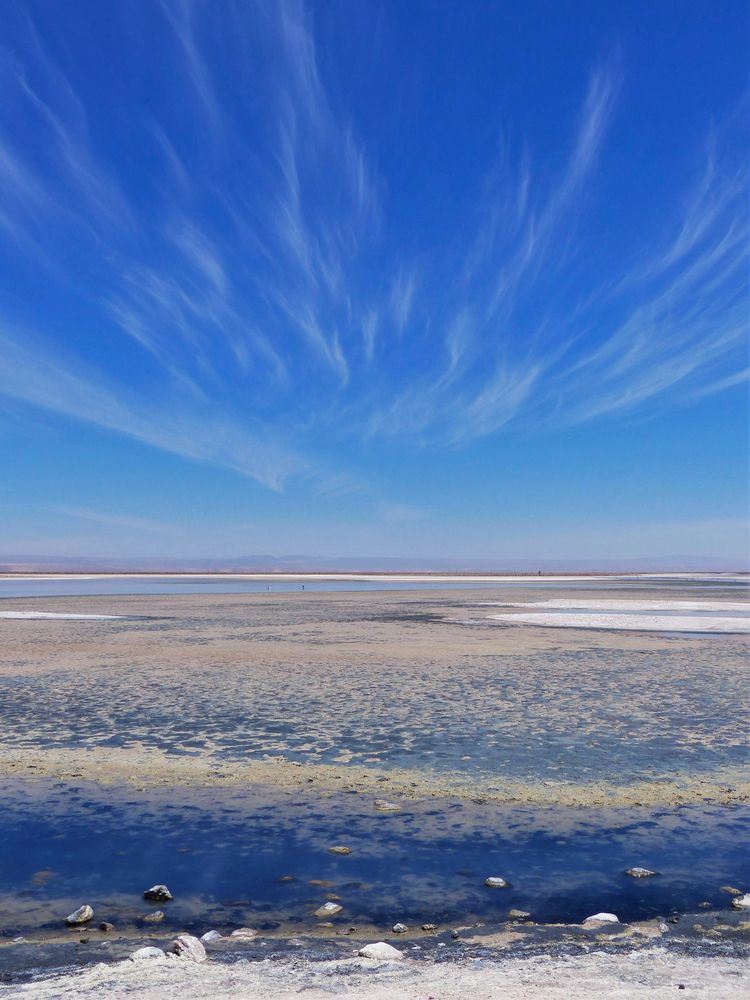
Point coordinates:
[(422, 279)]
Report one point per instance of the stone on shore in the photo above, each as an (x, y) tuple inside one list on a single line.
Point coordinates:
[(518, 914), (383, 805), (155, 917), (602, 918), (731, 890), (328, 910), (105, 926), (429, 927), (399, 928), (495, 882), (637, 872), (149, 952), (244, 934), (188, 947), (741, 902), (381, 951), (211, 936), (158, 894), (80, 916)]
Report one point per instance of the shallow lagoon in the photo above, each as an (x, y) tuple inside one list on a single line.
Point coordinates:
[(102, 586), (223, 852)]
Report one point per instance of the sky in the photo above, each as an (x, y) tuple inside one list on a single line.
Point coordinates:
[(425, 279)]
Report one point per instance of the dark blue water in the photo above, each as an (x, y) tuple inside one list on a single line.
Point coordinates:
[(223, 852)]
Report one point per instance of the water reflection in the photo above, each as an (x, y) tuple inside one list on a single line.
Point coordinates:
[(224, 853)]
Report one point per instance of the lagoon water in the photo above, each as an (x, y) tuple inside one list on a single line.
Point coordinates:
[(241, 858), (95, 585)]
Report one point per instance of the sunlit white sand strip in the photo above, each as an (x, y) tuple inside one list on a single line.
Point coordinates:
[(635, 607), (56, 616), (627, 622)]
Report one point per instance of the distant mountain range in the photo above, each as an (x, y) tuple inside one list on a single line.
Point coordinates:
[(362, 564)]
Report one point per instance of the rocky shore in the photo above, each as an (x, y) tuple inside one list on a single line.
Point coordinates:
[(707, 955)]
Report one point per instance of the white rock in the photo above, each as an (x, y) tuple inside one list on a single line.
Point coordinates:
[(495, 882), (741, 902), (211, 936), (602, 918), (189, 947), (381, 951), (382, 805), (80, 916), (328, 910), (399, 928), (158, 894), (147, 953), (244, 933), (637, 872)]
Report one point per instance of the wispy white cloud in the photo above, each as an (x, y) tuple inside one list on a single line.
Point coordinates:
[(250, 303), (402, 299), (31, 373), (401, 513), (117, 520), (656, 329)]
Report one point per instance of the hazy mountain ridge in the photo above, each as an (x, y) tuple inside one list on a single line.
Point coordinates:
[(265, 563)]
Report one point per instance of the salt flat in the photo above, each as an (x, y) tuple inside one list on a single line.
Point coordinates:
[(633, 606), (55, 615), (630, 615), (631, 622)]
